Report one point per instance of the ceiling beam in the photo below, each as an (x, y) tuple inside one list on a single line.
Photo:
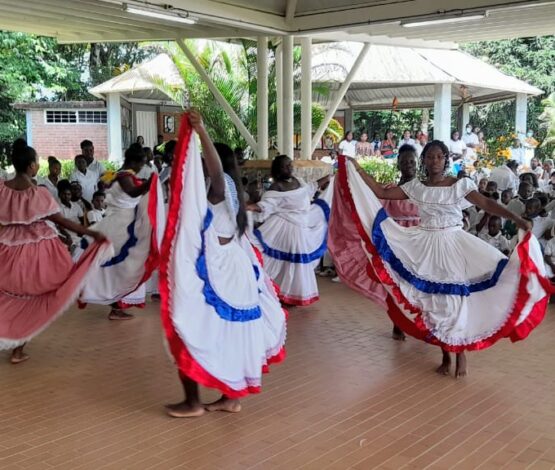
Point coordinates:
[(290, 10), (227, 14), (391, 12)]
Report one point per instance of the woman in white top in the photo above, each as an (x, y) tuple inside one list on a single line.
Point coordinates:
[(50, 182), (133, 223), (87, 178), (457, 148), (347, 146), (444, 285)]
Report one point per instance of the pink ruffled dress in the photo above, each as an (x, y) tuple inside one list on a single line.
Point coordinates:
[(38, 279)]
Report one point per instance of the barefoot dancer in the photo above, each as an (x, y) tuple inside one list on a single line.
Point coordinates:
[(38, 280), (293, 234), (220, 312), (133, 222), (436, 290)]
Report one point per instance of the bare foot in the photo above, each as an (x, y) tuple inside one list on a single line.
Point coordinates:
[(18, 356), (445, 367), (398, 334), (185, 410), (120, 315), (461, 369), (225, 404)]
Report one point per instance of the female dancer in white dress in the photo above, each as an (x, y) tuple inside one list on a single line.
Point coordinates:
[(293, 234), (444, 285), (134, 223), (222, 318)]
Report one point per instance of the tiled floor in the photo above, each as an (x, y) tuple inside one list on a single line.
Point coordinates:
[(347, 397)]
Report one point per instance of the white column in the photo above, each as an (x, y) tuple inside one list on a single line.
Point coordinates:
[(349, 120), (338, 96), (279, 98), (113, 106), (465, 117), (288, 148), (262, 97), (521, 114), (306, 98), (29, 128), (442, 112)]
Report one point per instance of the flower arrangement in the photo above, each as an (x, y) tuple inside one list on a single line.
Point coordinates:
[(383, 171), (497, 152)]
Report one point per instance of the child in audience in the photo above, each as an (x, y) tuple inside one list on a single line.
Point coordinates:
[(87, 178), (77, 196), (98, 210), (549, 257), (71, 211), (482, 184), (493, 235), (541, 222), (506, 197)]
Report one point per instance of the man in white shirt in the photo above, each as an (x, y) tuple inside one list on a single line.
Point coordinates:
[(505, 176), (87, 178), (87, 150), (471, 140)]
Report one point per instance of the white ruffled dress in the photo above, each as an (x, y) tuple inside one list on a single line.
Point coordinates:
[(134, 226), (293, 238), (221, 315), (444, 285)]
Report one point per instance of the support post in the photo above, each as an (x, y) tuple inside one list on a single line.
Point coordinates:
[(339, 96), (279, 98), (465, 119), (521, 114), (349, 119), (115, 145), (29, 127), (288, 117), (262, 97), (218, 96), (442, 112), (306, 98)]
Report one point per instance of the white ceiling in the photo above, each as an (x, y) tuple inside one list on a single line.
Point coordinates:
[(371, 20)]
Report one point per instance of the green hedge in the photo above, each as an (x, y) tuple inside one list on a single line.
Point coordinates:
[(381, 170), (68, 167)]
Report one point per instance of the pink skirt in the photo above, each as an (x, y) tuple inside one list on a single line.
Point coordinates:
[(38, 280)]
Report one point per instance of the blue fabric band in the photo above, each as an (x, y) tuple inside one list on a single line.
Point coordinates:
[(429, 287)]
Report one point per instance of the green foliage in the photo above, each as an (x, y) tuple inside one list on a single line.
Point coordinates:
[(383, 171), (530, 59), (38, 68), (381, 121), (234, 73), (68, 167), (547, 119)]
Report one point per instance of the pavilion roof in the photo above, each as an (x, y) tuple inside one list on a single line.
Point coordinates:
[(410, 75), (356, 20)]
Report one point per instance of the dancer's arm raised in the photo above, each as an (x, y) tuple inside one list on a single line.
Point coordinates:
[(212, 161), (492, 207), (381, 192)]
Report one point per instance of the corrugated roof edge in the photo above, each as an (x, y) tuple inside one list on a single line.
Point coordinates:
[(99, 104)]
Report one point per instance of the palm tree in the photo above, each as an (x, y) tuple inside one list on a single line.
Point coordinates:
[(233, 71)]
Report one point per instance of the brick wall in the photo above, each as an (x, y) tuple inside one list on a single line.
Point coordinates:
[(62, 140)]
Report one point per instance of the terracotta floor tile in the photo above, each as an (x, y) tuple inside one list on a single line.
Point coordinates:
[(347, 397)]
